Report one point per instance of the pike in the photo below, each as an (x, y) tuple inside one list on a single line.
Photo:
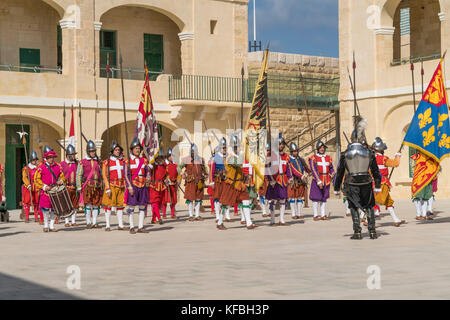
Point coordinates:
[(39, 140), (64, 135), (123, 104), (24, 142), (107, 113), (242, 102), (81, 131), (207, 136)]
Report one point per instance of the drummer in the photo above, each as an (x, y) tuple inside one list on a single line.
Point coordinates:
[(69, 168), (48, 174)]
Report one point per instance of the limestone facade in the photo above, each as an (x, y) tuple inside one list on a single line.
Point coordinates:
[(384, 90)]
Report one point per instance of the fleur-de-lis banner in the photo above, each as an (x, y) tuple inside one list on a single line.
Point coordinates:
[(429, 131), (255, 130), (146, 125)]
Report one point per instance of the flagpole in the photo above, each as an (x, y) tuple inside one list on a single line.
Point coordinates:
[(242, 102), (81, 131), (422, 73), (413, 87), (123, 103), (64, 135), (107, 115)]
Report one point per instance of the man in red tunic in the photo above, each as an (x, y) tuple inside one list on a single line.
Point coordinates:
[(48, 174), (157, 190), (172, 183), (30, 195), (69, 168)]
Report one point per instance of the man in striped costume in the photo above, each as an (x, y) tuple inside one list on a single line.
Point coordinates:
[(384, 163)]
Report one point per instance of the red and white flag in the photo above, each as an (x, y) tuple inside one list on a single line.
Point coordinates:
[(71, 132), (146, 125)]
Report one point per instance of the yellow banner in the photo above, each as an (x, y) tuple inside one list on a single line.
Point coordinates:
[(255, 130)]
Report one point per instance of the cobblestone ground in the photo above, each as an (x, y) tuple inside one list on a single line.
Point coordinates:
[(194, 260)]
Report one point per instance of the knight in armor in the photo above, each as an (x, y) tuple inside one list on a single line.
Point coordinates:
[(321, 165), (217, 175), (384, 163), (114, 182), (278, 181), (69, 168), (173, 178), (234, 188), (193, 170), (48, 174), (158, 186), (30, 194), (136, 178), (355, 164), (89, 185), (298, 183)]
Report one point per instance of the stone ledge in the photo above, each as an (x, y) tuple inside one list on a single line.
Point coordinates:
[(294, 59)]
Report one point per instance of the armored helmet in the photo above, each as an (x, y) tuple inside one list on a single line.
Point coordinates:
[(293, 147), (319, 144), (379, 145), (281, 139), (235, 141), (359, 135), (114, 145), (169, 152), (47, 149), (34, 156), (135, 143), (223, 143), (70, 150), (90, 146)]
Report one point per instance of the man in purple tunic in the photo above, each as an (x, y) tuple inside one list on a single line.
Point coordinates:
[(323, 173), (277, 179)]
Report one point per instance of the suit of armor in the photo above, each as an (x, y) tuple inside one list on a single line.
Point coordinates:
[(355, 164)]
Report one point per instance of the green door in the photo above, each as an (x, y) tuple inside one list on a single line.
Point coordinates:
[(154, 53), (30, 58), (107, 47), (15, 161)]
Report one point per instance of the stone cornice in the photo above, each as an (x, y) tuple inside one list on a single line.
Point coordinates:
[(186, 36), (98, 25), (441, 16), (384, 30), (67, 24)]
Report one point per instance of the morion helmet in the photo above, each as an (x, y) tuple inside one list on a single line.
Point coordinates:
[(70, 150), (223, 143), (379, 145), (281, 139), (34, 156), (293, 147), (47, 149), (90, 146), (114, 145), (319, 144), (135, 143)]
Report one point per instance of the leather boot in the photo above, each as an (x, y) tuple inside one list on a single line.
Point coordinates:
[(356, 236)]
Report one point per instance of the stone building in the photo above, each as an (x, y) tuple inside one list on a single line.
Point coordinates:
[(54, 53), (386, 36), (287, 108)]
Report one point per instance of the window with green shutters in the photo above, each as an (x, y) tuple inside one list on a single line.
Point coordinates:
[(154, 53), (107, 47), (59, 45)]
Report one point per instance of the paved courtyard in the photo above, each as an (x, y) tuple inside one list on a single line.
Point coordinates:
[(194, 260)]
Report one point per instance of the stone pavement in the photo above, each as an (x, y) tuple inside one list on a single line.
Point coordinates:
[(194, 260)]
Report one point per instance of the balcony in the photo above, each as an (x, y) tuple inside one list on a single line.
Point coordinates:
[(30, 69), (399, 62), (284, 92), (129, 74)]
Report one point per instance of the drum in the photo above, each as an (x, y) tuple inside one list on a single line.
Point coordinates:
[(61, 203)]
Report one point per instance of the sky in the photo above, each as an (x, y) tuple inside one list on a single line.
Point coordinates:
[(297, 26)]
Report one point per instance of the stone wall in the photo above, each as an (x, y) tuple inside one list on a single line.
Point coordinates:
[(289, 120)]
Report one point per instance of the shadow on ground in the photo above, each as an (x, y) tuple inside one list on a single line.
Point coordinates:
[(12, 288)]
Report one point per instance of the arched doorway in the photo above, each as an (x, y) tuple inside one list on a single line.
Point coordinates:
[(32, 36), (13, 156), (152, 38), (117, 133)]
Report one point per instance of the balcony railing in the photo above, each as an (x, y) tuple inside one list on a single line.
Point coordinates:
[(31, 69), (130, 74), (399, 62), (284, 91)]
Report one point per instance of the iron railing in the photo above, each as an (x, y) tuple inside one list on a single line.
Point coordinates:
[(399, 62), (30, 69), (129, 73)]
